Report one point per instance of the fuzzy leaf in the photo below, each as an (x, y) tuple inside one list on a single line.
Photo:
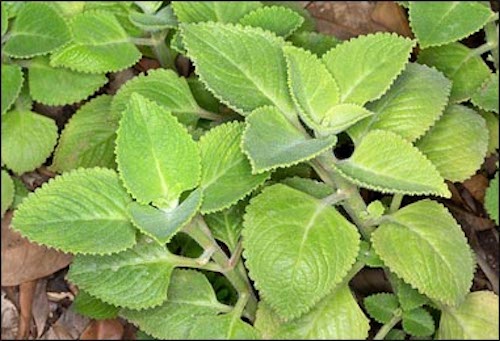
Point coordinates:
[(202, 95), (438, 23), (425, 247), (38, 29), (271, 141), (58, 86), (20, 193), (28, 139), (222, 327), (99, 45), (319, 190), (226, 225), (342, 116), (280, 20), (379, 58), (368, 256), (315, 42), (88, 139), (308, 243), (12, 82), (408, 297), (82, 211), (412, 105), (418, 322), (475, 319), (149, 6), (494, 131), (226, 175), (267, 321), (163, 87), (248, 58), (377, 164), (7, 192), (381, 307), (486, 97), (467, 72), (491, 199), (457, 143), (164, 19), (223, 11), (92, 307), (169, 163), (395, 334), (5, 19)]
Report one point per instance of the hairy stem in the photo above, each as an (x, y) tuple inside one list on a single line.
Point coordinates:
[(396, 202), (386, 328), (161, 51)]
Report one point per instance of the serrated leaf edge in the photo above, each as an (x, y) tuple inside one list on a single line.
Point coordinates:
[(426, 312), (275, 9), (485, 83), (18, 91), (380, 294)]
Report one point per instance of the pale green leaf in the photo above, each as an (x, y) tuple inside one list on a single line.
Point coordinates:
[(226, 174), (494, 131), (408, 297), (475, 319), (315, 42), (218, 11), (82, 211), (491, 199), (312, 187), (271, 141), (85, 304), (423, 245), (222, 327), (149, 6), (165, 88), (376, 209), (88, 139), (28, 139), (8, 191), (12, 82), (58, 86), (458, 63), (418, 322), (136, 278), (68, 8), (377, 164), (121, 10), (190, 295), (280, 20), (382, 306), (366, 66), (342, 116), (298, 7), (160, 224), (5, 20), (176, 43), (412, 105), (368, 256), (248, 58), (226, 225), (291, 237), (457, 143), (99, 45), (164, 19), (267, 321), (486, 97), (38, 29), (155, 166), (441, 22)]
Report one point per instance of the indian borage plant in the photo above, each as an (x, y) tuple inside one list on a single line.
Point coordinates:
[(153, 195)]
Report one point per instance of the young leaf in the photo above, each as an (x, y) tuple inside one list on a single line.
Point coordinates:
[(88, 139), (418, 322), (313, 247), (466, 71), (92, 307), (491, 199), (222, 327), (162, 20), (169, 163), (28, 139), (475, 318), (382, 306), (280, 20), (99, 45), (438, 23), (202, 95), (314, 188), (226, 225), (82, 211), (377, 164), (342, 116), (396, 334), (271, 141), (149, 7), (457, 143), (38, 29), (486, 96), (12, 82), (223, 11), (368, 256), (315, 42), (434, 257), (248, 58), (226, 174), (365, 67), (7, 192), (58, 86), (408, 297)]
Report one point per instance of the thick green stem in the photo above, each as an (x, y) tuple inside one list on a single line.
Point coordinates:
[(396, 202), (386, 328), (161, 51)]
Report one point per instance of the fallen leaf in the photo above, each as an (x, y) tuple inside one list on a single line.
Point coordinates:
[(26, 293), (69, 326), (476, 185), (103, 330), (10, 319), (40, 309)]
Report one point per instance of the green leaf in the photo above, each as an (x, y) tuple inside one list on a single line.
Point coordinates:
[(82, 211), (314, 188), (5, 19), (313, 247), (486, 97), (382, 306), (467, 71), (248, 58), (7, 192), (271, 141), (203, 97), (163, 87), (169, 163), (457, 143), (58, 86), (190, 295), (20, 193), (438, 23), (377, 164), (418, 322), (12, 82), (493, 129), (412, 105), (226, 174), (38, 29), (28, 139), (395, 334), (87, 305), (315, 42), (408, 297), (376, 209), (160, 224), (224, 11), (164, 19), (368, 256), (222, 327), (342, 116), (267, 321), (149, 7), (88, 139), (68, 9), (99, 45), (365, 67), (491, 199), (226, 225), (280, 20), (423, 245), (136, 278), (476, 318)]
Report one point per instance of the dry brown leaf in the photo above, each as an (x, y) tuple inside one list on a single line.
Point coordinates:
[(10, 319), (103, 330), (476, 185), (26, 292), (69, 326), (40, 309)]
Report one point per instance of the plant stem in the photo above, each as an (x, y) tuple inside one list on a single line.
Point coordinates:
[(491, 32), (386, 328), (194, 263), (208, 114), (161, 51), (396, 202)]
